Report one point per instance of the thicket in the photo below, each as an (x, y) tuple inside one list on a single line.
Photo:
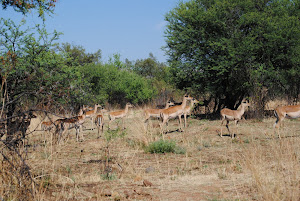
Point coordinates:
[(227, 50)]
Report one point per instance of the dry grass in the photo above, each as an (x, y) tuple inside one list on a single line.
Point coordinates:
[(256, 165)]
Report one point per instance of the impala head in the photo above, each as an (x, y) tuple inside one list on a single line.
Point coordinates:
[(86, 108), (246, 103), (195, 100), (187, 97), (170, 103), (103, 109), (97, 105), (129, 105)]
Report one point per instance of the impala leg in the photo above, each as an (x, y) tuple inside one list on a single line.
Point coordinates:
[(110, 123), (123, 123), (185, 121), (180, 124), (92, 121), (221, 134), (227, 126), (77, 133), (277, 126), (162, 125), (102, 127), (236, 126)]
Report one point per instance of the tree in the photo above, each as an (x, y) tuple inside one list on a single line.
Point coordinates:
[(19, 88), (75, 55), (230, 49), (109, 83), (151, 68), (24, 6)]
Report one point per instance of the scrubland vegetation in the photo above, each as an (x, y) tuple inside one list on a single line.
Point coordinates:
[(220, 52)]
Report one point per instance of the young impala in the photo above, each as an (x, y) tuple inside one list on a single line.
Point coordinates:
[(61, 125), (47, 125), (120, 114), (155, 112), (92, 113), (173, 112), (188, 109), (289, 111), (233, 115), (99, 122)]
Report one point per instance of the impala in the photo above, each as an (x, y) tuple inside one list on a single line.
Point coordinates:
[(233, 115), (173, 112), (289, 111), (120, 114), (77, 121), (188, 110), (87, 108), (92, 113), (47, 125), (99, 122), (155, 112)]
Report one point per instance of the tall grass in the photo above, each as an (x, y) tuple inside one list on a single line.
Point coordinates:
[(274, 168)]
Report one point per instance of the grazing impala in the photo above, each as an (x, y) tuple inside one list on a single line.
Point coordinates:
[(155, 112), (233, 115), (289, 111), (61, 127), (188, 109), (120, 114), (173, 112)]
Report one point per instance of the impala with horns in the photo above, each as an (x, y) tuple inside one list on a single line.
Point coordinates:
[(155, 112), (233, 115), (188, 109), (289, 112), (120, 114), (173, 112)]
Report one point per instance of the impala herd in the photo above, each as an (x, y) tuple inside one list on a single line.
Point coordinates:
[(170, 111)]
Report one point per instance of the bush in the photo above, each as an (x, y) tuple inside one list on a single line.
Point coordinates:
[(108, 83), (164, 146)]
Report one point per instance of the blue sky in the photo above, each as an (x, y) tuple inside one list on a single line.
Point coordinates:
[(131, 28)]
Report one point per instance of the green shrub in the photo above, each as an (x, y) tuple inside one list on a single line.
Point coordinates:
[(164, 146)]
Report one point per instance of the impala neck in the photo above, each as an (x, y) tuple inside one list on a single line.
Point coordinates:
[(192, 104), (183, 103), (95, 108), (167, 105), (242, 109), (126, 108)]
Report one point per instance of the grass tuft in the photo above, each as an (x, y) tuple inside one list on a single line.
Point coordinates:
[(164, 146)]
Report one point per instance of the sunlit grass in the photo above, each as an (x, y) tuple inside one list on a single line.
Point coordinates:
[(255, 165)]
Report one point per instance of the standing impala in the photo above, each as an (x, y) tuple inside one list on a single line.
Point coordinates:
[(289, 111), (233, 115), (92, 113), (99, 121), (77, 121), (155, 112), (47, 125), (188, 109), (120, 114), (173, 112)]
